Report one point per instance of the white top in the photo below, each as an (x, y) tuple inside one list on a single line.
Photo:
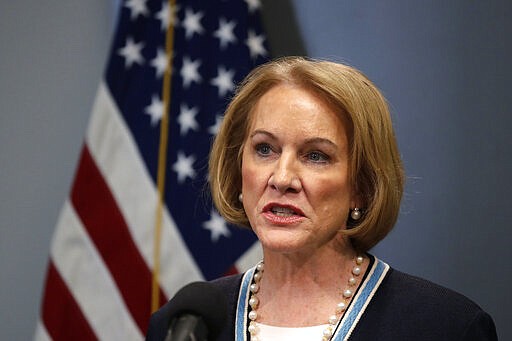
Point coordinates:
[(272, 333)]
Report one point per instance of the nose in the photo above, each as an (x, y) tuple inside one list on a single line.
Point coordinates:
[(284, 177)]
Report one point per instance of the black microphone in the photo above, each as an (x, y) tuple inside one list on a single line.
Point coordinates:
[(197, 313)]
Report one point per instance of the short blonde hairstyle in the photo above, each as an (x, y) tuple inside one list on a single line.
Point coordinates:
[(375, 172)]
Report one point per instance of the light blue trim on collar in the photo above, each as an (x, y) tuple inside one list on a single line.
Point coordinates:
[(361, 300), (242, 309)]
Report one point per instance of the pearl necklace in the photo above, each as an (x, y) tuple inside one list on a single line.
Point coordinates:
[(333, 319)]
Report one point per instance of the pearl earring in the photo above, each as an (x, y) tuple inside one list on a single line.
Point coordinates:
[(240, 197), (355, 214)]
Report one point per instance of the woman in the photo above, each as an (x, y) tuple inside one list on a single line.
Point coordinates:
[(307, 158)]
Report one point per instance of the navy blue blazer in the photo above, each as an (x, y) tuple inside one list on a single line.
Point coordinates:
[(403, 308)]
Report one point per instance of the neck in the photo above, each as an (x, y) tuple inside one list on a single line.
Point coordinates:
[(305, 269), (302, 290)]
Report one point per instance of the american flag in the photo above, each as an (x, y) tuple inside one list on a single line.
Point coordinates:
[(102, 257)]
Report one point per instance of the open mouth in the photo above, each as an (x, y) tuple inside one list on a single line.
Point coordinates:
[(283, 210)]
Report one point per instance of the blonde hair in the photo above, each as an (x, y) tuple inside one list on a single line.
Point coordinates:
[(375, 172)]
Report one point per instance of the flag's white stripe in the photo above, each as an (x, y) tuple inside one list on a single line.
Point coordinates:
[(114, 150), (250, 258), (89, 281), (41, 333)]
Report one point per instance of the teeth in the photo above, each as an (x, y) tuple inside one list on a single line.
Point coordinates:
[(282, 211)]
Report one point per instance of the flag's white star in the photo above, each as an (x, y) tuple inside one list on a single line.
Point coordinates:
[(192, 23), (155, 110), (183, 167), (217, 226), (255, 44), (161, 62), (167, 15), (190, 71), (224, 80), (225, 32), (187, 119), (214, 129), (132, 52), (137, 7), (253, 5)]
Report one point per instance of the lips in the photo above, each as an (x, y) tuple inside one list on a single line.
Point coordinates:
[(282, 214)]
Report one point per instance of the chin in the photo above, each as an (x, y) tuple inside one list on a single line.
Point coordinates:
[(279, 243)]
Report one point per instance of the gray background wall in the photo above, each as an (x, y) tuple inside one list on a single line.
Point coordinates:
[(443, 65)]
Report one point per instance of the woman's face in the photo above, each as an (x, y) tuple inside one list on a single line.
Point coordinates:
[(295, 184)]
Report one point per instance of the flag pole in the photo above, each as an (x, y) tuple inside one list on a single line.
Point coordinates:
[(162, 160)]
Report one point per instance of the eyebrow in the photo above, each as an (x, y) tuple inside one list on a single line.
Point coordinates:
[(264, 132), (314, 140)]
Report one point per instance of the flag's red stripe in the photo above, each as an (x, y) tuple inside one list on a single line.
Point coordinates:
[(233, 270), (62, 316), (106, 226)]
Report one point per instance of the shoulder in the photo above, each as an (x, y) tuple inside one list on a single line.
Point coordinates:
[(230, 286), (228, 283), (415, 308), (424, 298), (412, 290)]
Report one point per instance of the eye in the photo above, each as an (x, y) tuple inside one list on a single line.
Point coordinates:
[(317, 157), (263, 149)]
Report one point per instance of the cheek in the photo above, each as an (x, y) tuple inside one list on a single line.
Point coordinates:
[(252, 189), (332, 198), (252, 181)]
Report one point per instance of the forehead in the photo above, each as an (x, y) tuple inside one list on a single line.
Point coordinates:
[(288, 109)]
